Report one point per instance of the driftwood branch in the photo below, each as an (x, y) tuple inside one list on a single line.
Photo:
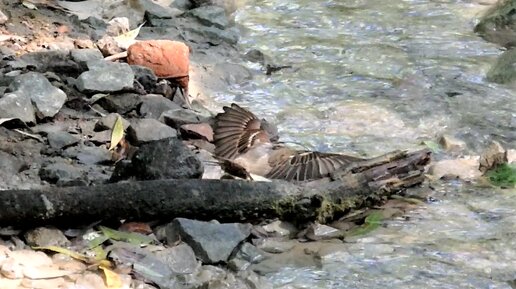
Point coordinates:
[(225, 200)]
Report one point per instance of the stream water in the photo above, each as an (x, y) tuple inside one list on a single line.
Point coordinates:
[(370, 76)]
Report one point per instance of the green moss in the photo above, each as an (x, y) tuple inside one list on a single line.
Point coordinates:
[(371, 222), (503, 176)]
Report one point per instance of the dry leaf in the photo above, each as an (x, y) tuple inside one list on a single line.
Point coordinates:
[(29, 5), (113, 280), (117, 134), (65, 251), (126, 39)]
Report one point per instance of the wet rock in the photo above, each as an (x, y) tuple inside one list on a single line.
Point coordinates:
[(197, 130), (247, 254), (17, 105), (44, 236), (180, 259), (120, 103), (492, 156), (272, 245), (47, 98), (498, 25), (503, 70), (450, 143), (163, 159), (62, 174), (177, 117), (217, 278), (232, 73), (280, 229), (145, 76), (215, 35), (88, 155), (61, 139), (168, 59), (321, 232), (464, 168), (108, 122), (56, 61), (153, 105), (212, 243), (210, 15), (147, 130), (105, 77)]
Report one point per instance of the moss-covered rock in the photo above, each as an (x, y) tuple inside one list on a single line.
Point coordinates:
[(499, 24), (504, 70)]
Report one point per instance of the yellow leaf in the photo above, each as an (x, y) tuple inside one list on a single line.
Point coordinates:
[(67, 252), (126, 39), (29, 5), (117, 134), (113, 280)]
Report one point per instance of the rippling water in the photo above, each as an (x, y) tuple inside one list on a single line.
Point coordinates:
[(370, 76)]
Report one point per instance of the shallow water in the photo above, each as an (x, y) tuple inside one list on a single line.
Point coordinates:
[(370, 76)]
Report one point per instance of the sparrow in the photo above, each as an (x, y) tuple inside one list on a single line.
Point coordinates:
[(241, 137)]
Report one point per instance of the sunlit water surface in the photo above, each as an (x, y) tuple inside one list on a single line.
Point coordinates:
[(371, 76)]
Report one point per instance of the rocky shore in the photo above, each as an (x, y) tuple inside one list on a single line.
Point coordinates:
[(61, 102)]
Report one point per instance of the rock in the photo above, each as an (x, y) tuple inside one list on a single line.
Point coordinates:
[(178, 117), (56, 61), (61, 139), (117, 26), (62, 174), (168, 59), (153, 105), (120, 103), (145, 76), (492, 156), (503, 70), (464, 168), (153, 11), (281, 229), (3, 17), (108, 122), (321, 232), (83, 56), (147, 130), (215, 35), (180, 259), (212, 243), (10, 283), (17, 105), (232, 73), (251, 253), (273, 245), (88, 155), (498, 24), (511, 156), (450, 143), (197, 130), (44, 236), (46, 282), (47, 98), (163, 159), (210, 15), (105, 77), (217, 278)]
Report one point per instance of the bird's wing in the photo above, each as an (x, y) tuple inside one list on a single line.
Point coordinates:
[(236, 130), (306, 165)]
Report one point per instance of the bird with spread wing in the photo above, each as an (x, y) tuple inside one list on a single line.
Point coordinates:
[(242, 138)]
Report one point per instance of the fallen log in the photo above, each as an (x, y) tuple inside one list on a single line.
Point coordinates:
[(365, 183)]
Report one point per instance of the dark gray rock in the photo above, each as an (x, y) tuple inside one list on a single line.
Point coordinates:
[(108, 122), (61, 139), (177, 117), (504, 71), (214, 35), (105, 77), (153, 10), (153, 105), (232, 73), (182, 4), (44, 236), (212, 243), (7, 78), (47, 98), (147, 130), (58, 61), (210, 15), (145, 76), (17, 105), (180, 259), (245, 256), (88, 155), (83, 56), (163, 159), (120, 103), (62, 174)]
